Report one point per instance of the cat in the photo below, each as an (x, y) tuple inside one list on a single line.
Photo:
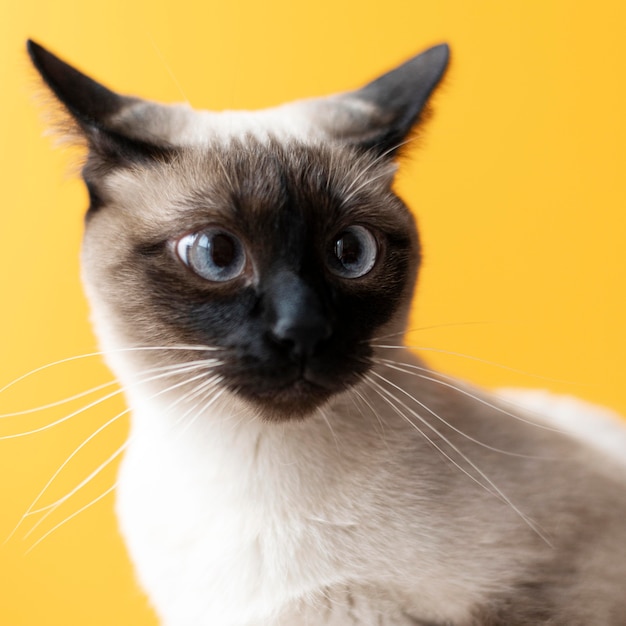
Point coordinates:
[(290, 462)]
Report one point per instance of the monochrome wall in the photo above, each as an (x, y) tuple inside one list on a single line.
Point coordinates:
[(517, 182)]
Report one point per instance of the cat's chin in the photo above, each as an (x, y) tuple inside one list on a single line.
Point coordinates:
[(294, 401), (287, 391)]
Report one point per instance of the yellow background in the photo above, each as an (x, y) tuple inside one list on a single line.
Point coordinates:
[(518, 185)]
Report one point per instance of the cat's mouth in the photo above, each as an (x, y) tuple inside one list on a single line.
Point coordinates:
[(291, 397)]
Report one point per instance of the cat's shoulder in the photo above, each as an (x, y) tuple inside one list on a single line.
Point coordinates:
[(593, 424)]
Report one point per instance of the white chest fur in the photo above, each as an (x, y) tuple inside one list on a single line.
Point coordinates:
[(209, 530), (231, 523)]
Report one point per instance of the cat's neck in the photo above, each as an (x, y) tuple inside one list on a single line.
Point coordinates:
[(229, 441)]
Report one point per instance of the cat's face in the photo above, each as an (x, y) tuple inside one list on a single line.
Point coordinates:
[(289, 273), (283, 251)]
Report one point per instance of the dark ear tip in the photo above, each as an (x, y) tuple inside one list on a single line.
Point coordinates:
[(443, 47), (36, 52), (440, 53), (43, 60), (89, 102)]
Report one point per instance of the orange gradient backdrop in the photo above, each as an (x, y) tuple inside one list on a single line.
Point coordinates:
[(518, 184)]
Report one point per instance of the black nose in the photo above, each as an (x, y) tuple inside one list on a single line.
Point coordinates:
[(297, 320)]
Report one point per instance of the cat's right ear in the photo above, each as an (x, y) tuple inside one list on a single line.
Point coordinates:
[(381, 115), (93, 108)]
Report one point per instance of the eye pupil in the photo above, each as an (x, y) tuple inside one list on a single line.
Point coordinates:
[(348, 249), (223, 250), (354, 252)]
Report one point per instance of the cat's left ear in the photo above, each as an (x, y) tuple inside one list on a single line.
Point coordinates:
[(380, 115), (94, 109)]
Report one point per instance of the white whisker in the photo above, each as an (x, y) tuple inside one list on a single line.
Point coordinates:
[(223, 168), (103, 353), (374, 412), (498, 492), (51, 508), (390, 399), (446, 423), (31, 510), (404, 333), (208, 404), (364, 170), (473, 358), (364, 184), (72, 516), (171, 370), (168, 69), (201, 389), (56, 403), (473, 396), (323, 415)]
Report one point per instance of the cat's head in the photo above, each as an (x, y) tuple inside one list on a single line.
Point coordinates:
[(273, 237)]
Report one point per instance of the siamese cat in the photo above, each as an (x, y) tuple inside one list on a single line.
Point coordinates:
[(290, 462)]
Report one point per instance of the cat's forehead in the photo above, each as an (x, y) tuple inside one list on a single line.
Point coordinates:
[(248, 175), (309, 120)]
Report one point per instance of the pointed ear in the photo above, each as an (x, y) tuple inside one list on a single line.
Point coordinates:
[(93, 107), (381, 115)]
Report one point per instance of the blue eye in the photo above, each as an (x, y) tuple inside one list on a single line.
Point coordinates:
[(213, 254), (354, 252)]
